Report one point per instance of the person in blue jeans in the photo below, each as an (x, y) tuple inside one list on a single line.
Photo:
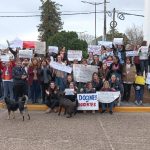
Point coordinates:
[(106, 88), (139, 88)]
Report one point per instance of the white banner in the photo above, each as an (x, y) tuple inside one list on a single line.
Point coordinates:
[(95, 49), (16, 43), (131, 53), (4, 58), (107, 97), (25, 53), (74, 55), (60, 67), (69, 91), (107, 44), (148, 79), (53, 49), (83, 73), (118, 41), (40, 47), (88, 101)]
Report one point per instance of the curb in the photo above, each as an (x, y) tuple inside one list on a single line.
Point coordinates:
[(33, 107)]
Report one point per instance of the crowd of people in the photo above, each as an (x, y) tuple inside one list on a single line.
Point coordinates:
[(37, 79)]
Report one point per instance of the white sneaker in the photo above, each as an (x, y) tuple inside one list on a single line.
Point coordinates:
[(140, 103), (136, 103)]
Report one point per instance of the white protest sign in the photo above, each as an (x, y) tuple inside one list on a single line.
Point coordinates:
[(16, 43), (105, 43), (40, 47), (95, 49), (60, 67), (25, 53), (5, 58), (107, 97), (131, 53), (118, 41), (148, 79), (144, 49), (83, 73), (108, 63), (74, 55), (53, 49), (88, 101), (69, 91)]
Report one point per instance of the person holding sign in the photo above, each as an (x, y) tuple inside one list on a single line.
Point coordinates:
[(52, 98), (120, 52), (106, 87), (59, 75), (143, 53)]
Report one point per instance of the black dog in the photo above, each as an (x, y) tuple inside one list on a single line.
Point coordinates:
[(12, 106), (69, 106)]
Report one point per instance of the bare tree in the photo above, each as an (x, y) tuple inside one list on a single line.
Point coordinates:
[(86, 37), (135, 34)]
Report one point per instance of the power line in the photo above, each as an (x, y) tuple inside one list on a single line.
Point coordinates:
[(69, 14), (65, 14)]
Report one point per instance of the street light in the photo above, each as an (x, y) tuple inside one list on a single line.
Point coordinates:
[(95, 4)]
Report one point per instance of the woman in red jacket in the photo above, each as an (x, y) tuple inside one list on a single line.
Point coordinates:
[(34, 80), (7, 79)]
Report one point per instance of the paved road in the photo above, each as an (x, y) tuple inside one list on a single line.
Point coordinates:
[(121, 131)]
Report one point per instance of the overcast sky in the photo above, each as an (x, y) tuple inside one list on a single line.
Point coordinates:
[(26, 28)]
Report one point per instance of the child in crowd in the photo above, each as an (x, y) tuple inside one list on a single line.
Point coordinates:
[(139, 88)]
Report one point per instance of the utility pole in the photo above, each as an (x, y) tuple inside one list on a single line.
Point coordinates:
[(104, 34), (113, 28), (95, 4), (95, 26)]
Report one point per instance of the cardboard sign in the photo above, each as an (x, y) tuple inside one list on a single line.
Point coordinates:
[(74, 55), (60, 67), (4, 58), (107, 44), (69, 91), (88, 101), (107, 97), (95, 49), (131, 53), (83, 73), (40, 47), (25, 53), (144, 49), (53, 49), (118, 41)]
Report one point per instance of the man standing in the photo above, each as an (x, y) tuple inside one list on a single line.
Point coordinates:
[(19, 78)]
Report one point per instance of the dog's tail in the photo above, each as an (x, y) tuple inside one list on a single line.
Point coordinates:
[(25, 99)]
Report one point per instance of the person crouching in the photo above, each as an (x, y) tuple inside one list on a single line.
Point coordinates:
[(106, 88), (52, 98)]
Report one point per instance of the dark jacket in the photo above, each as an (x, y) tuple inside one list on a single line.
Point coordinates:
[(17, 73), (48, 74)]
